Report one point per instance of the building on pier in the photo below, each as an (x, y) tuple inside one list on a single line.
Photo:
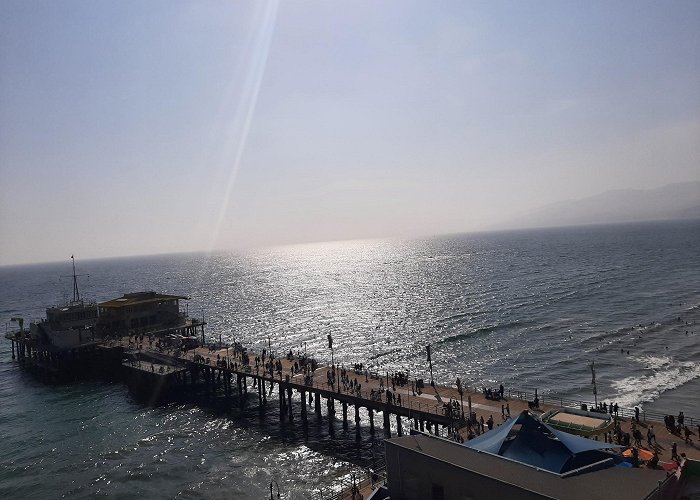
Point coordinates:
[(519, 462), (143, 310)]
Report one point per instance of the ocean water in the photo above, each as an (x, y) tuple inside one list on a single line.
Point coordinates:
[(530, 309)]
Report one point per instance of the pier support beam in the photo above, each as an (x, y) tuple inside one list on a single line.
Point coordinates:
[(387, 425), (282, 402), (303, 408), (227, 387), (345, 415), (371, 420), (318, 404), (331, 413), (398, 425), (13, 349), (289, 406)]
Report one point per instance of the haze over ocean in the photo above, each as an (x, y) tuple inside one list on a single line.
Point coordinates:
[(530, 309)]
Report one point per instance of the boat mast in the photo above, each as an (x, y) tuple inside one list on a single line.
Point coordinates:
[(76, 293)]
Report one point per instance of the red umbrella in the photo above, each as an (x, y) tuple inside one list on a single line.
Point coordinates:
[(669, 466)]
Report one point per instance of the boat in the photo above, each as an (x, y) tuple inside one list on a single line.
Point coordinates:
[(68, 325)]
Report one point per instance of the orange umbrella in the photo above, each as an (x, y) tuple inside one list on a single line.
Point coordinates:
[(641, 453)]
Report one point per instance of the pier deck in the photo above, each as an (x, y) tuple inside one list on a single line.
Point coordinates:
[(424, 409), (213, 372)]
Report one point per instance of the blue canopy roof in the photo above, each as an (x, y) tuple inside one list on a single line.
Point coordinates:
[(537, 444)]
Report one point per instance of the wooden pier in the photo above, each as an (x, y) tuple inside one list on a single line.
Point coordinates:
[(221, 374), (225, 376)]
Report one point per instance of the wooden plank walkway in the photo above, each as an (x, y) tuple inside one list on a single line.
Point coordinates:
[(210, 373), (424, 409)]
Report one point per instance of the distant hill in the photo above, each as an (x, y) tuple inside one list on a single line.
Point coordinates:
[(673, 201)]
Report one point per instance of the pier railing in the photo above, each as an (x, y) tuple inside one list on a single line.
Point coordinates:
[(343, 490), (422, 404), (562, 402)]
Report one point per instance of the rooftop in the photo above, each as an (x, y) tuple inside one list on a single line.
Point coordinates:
[(613, 482), (130, 299), (525, 439)]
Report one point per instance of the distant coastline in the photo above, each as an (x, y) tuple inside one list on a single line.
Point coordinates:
[(679, 201)]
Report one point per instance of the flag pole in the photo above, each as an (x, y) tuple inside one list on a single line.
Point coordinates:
[(430, 361), (595, 389)]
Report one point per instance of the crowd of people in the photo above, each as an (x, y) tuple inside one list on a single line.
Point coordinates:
[(349, 381)]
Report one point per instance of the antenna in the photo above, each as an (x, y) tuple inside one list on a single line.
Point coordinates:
[(76, 292)]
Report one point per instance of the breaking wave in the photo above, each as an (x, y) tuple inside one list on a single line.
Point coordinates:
[(666, 374)]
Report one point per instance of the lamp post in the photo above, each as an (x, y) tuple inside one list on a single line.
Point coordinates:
[(595, 389), (408, 381), (461, 394), (203, 340), (430, 362), (330, 346), (278, 490)]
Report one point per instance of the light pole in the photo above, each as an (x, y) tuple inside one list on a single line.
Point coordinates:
[(278, 490), (430, 362), (330, 346), (461, 394), (203, 340), (595, 389)]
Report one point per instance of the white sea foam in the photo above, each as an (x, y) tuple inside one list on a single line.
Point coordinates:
[(653, 362), (666, 374)]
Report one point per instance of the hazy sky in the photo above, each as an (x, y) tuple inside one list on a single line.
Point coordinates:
[(132, 127)]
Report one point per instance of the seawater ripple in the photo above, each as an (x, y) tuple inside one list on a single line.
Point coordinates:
[(530, 309)]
